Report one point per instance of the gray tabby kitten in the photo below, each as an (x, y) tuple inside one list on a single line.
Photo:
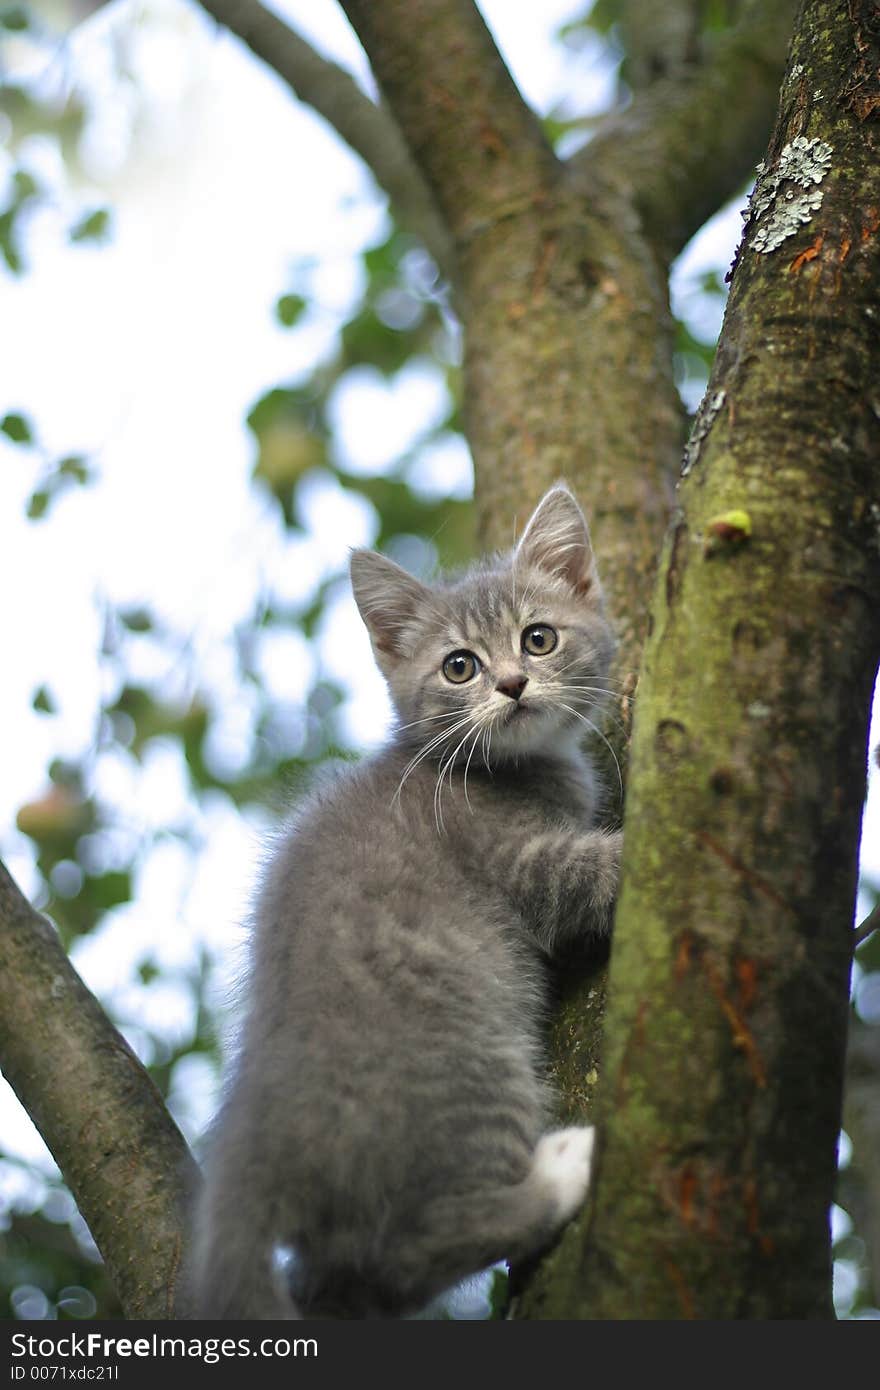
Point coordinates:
[(386, 1117)]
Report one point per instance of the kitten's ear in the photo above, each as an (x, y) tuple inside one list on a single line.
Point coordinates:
[(557, 540), (388, 598)]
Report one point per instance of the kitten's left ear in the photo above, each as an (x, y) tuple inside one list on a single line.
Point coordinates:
[(557, 540), (389, 600)]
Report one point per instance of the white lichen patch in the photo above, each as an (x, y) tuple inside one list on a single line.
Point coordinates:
[(785, 220), (801, 167), (804, 161)]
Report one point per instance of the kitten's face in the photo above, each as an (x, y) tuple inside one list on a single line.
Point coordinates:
[(506, 661)]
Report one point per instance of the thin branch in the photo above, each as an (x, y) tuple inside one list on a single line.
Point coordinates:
[(368, 129), (479, 145), (103, 1119), (871, 923), (686, 146)]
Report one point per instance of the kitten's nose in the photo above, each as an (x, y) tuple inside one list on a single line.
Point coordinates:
[(513, 686)]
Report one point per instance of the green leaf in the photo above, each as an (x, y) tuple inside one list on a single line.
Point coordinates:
[(8, 247), (25, 184), (601, 18), (108, 890), (18, 428), (298, 404), (716, 16), (136, 619), (292, 434), (381, 262), (367, 341), (555, 127), (712, 282), (56, 821), (95, 226), (38, 504), (74, 467), (290, 309), (15, 19), (43, 701)]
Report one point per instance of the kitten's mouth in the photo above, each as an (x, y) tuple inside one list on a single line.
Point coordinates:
[(518, 709)]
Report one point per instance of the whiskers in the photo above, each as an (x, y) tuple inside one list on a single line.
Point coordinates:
[(447, 766), (578, 714), (461, 738), (475, 728)]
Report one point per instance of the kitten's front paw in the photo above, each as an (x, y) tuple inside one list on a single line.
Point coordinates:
[(562, 1160), (606, 877)]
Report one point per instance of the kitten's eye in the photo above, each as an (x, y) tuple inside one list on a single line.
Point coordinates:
[(460, 667), (539, 639)]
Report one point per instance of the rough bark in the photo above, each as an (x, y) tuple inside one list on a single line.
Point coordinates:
[(726, 1024), (121, 1154)]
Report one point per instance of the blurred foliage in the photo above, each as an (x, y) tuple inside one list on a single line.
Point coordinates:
[(54, 476), (24, 191), (92, 226), (87, 863), (51, 1269), (17, 428)]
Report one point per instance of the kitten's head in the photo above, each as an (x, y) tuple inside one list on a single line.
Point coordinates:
[(503, 660)]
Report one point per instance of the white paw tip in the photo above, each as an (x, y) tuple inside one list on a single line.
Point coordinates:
[(562, 1160)]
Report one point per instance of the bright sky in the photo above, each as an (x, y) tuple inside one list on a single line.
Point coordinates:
[(146, 354)]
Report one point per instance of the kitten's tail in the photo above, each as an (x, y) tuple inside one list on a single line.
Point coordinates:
[(234, 1272), (252, 1289)]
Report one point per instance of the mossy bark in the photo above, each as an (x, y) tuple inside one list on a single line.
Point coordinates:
[(122, 1155), (725, 1031)]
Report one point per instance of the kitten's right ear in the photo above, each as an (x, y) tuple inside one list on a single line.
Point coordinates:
[(557, 540), (389, 600)]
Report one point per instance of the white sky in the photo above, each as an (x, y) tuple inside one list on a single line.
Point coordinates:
[(146, 354)]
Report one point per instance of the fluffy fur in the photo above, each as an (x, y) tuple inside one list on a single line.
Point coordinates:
[(385, 1118)]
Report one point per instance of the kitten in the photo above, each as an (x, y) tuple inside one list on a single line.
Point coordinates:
[(386, 1115)]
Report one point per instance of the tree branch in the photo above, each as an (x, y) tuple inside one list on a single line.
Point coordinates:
[(480, 147), (368, 129), (664, 48), (104, 1121), (684, 147), (869, 924)]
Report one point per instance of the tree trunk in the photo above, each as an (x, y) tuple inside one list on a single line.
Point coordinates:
[(726, 1026)]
